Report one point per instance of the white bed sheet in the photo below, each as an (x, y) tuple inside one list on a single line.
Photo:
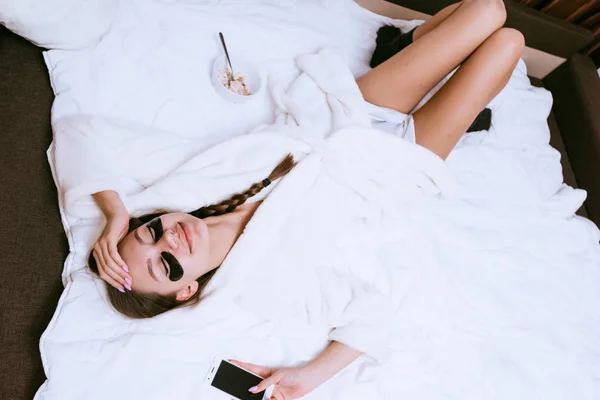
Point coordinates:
[(502, 289)]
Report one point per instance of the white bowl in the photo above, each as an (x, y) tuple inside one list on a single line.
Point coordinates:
[(251, 76)]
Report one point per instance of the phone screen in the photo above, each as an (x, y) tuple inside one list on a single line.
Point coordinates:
[(236, 382)]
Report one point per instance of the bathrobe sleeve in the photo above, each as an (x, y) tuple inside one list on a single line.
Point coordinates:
[(360, 314), (92, 154), (85, 162), (153, 169)]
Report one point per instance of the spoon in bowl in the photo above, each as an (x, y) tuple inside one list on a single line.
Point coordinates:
[(230, 78)]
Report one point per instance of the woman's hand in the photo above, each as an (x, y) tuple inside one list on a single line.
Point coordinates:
[(290, 383), (293, 383), (111, 266)]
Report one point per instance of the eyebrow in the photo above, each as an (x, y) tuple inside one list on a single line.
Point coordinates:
[(138, 238), (149, 263)]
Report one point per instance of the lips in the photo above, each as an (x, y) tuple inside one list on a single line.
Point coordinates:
[(188, 235)]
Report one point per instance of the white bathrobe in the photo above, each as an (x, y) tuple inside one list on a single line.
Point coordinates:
[(308, 254)]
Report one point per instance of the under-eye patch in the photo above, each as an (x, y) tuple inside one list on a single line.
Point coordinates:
[(175, 270)]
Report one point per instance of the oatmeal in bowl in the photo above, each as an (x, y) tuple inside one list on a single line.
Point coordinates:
[(238, 87)]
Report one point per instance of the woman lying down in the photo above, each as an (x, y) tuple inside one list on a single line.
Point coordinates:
[(158, 262)]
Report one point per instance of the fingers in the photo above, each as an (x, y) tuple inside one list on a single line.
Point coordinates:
[(112, 268), (272, 380), (118, 273), (256, 369), (114, 274), (114, 253), (261, 371), (108, 268), (102, 271), (280, 393)]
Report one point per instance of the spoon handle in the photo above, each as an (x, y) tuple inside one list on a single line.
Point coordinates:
[(226, 52)]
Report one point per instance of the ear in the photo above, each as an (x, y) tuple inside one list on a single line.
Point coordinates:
[(187, 292)]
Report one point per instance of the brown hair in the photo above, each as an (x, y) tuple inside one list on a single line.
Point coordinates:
[(145, 305)]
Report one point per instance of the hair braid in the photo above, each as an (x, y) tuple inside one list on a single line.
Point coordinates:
[(238, 199)]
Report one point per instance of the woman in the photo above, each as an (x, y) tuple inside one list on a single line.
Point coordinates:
[(159, 262)]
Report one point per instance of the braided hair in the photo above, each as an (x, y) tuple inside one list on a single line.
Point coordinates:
[(146, 305), (236, 200)]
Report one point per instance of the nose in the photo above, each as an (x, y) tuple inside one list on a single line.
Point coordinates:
[(172, 238)]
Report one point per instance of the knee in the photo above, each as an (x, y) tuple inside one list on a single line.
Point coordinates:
[(510, 41), (494, 11)]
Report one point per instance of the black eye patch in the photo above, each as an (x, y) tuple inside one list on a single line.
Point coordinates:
[(156, 229), (175, 270)]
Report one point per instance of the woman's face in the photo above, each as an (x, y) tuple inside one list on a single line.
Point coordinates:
[(167, 255)]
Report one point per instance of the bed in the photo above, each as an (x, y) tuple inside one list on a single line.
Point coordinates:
[(67, 339)]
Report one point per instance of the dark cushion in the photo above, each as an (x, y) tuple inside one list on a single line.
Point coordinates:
[(575, 86), (33, 245)]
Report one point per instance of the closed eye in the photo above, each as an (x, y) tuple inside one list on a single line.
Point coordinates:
[(174, 270), (162, 260), (156, 229)]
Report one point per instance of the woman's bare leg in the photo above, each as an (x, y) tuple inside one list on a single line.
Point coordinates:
[(402, 81), (441, 122), (434, 21)]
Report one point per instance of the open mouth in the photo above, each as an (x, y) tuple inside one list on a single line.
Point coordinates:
[(188, 235)]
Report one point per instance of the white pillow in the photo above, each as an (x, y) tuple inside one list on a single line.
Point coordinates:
[(59, 24)]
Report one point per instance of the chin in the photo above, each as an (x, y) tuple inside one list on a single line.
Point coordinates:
[(200, 229)]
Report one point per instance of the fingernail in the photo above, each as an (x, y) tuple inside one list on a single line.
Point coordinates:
[(125, 268), (121, 290), (253, 389), (128, 287), (128, 281)]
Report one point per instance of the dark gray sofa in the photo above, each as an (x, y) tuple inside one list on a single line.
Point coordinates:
[(33, 245)]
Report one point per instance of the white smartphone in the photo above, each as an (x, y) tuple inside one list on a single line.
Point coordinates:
[(235, 381)]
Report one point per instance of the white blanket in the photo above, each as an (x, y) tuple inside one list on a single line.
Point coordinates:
[(493, 290)]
